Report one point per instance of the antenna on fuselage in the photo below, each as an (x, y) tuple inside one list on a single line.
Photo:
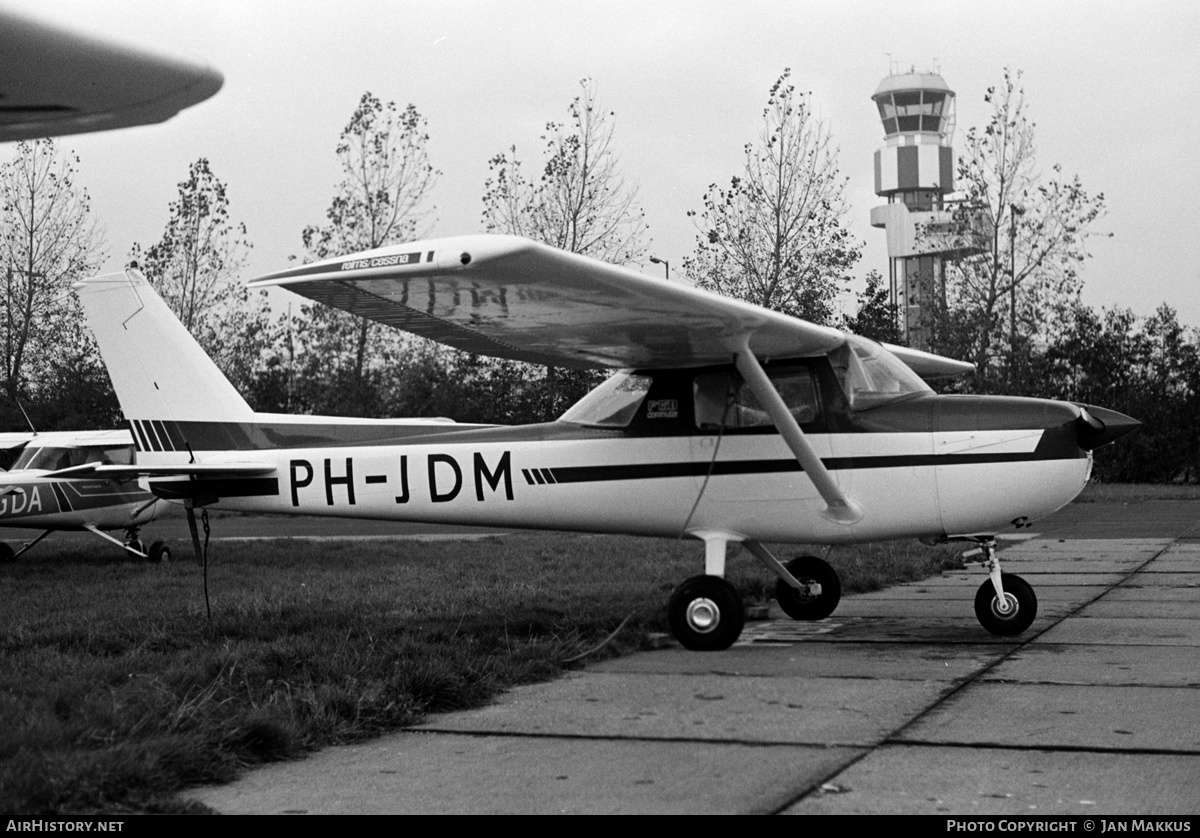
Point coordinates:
[(21, 408)]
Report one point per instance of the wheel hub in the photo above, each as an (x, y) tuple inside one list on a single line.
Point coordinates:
[(703, 615), (1007, 608)]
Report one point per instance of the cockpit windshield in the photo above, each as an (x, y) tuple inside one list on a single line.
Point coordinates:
[(53, 458), (613, 404), (871, 376)]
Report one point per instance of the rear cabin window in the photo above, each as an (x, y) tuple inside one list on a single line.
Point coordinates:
[(723, 400), (613, 404)]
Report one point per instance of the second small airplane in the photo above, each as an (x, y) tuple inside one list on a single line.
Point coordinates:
[(44, 490)]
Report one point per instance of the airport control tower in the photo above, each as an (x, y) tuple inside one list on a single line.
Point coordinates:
[(915, 172)]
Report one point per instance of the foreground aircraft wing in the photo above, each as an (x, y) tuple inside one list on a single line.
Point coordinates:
[(510, 297), (54, 81)]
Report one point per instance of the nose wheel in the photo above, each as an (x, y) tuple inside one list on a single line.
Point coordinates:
[(706, 614), (1010, 615)]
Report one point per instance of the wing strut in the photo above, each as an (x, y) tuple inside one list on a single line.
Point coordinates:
[(839, 507)]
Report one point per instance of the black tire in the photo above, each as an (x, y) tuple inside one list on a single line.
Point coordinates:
[(706, 614), (800, 606), (159, 552), (136, 544), (7, 553), (1019, 593)]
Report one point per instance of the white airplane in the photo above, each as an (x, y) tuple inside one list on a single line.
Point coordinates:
[(43, 490), (56, 81), (726, 423)]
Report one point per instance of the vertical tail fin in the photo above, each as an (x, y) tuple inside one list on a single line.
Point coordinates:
[(158, 369)]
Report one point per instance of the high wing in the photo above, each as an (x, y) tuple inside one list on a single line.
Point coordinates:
[(54, 81), (510, 297), (513, 298)]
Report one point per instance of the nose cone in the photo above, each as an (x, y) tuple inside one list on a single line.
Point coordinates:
[(1098, 426)]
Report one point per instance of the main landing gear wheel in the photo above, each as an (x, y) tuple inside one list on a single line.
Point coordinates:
[(159, 552), (809, 605), (706, 614), (136, 544), (1012, 616), (7, 553)]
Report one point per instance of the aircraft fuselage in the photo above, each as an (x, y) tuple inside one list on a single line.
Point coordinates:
[(923, 466)]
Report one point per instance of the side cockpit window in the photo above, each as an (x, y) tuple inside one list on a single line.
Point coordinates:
[(723, 400)]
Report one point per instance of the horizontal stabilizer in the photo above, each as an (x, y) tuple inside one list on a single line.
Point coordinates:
[(120, 472), (928, 365)]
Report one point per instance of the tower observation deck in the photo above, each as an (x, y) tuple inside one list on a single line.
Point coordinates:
[(914, 171)]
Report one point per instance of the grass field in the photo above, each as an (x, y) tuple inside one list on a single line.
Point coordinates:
[(1137, 492), (116, 692)]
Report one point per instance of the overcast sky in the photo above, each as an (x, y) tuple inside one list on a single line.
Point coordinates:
[(1114, 88)]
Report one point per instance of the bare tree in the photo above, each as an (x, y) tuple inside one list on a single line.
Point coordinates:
[(48, 240), (200, 249), (581, 202), (1025, 277), (381, 200), (387, 180), (775, 236)]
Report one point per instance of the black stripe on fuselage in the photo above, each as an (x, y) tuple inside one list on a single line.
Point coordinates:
[(275, 435), (241, 487), (1055, 444), (63, 504)]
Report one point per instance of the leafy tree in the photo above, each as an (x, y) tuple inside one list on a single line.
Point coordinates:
[(875, 314), (774, 237), (581, 202), (1025, 280), (201, 249), (381, 200), (48, 240), (1147, 368), (76, 392), (245, 341)]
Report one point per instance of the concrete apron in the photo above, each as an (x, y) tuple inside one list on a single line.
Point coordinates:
[(898, 703)]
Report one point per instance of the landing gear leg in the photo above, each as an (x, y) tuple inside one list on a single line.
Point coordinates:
[(706, 612), (1005, 604), (7, 554), (133, 543)]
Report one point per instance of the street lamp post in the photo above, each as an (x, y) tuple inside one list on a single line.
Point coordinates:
[(1014, 211), (664, 263)]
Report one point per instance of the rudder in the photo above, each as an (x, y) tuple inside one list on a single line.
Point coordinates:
[(158, 370)]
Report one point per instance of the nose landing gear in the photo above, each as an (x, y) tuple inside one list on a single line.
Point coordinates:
[(1005, 605)]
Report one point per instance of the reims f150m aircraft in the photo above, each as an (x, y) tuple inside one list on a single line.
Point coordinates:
[(724, 422), (43, 490)]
